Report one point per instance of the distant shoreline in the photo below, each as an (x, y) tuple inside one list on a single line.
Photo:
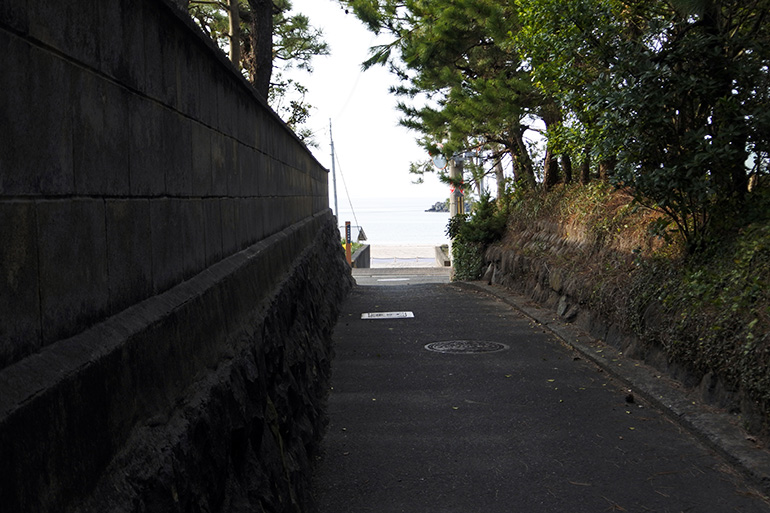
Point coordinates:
[(398, 222), (439, 206), (444, 207)]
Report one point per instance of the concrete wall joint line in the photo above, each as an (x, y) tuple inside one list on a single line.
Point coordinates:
[(159, 306), (200, 37)]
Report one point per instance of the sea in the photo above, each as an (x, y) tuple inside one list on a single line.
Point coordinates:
[(394, 221)]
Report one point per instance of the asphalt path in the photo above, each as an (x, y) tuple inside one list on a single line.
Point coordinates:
[(534, 427), (394, 276)]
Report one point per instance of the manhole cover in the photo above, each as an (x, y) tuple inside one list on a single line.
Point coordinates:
[(465, 346)]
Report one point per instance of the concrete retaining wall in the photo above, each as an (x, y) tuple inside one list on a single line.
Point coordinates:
[(134, 156), (204, 396), (362, 259), (169, 271)]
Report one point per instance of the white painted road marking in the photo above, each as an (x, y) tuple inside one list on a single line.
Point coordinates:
[(387, 315), (393, 279)]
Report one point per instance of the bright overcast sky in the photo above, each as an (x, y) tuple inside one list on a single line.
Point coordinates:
[(373, 151)]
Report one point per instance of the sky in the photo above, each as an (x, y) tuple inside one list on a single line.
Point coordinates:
[(373, 151)]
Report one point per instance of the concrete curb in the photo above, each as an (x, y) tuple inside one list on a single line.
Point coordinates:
[(717, 429)]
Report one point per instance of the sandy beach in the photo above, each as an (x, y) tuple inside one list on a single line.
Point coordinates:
[(403, 256)]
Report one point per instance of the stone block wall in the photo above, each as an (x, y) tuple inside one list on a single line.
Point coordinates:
[(560, 272), (133, 156), (170, 271), (208, 397)]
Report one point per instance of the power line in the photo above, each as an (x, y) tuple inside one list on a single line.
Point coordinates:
[(345, 185)]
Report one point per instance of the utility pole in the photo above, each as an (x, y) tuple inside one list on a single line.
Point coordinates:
[(334, 173), (235, 39), (456, 199)]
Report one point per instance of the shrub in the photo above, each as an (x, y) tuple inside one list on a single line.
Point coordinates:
[(472, 234)]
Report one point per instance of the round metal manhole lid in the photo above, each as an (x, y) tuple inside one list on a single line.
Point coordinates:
[(465, 346)]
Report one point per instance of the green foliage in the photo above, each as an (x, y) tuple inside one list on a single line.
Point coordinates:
[(721, 305), (295, 43), (472, 234), (456, 53), (668, 98), (354, 246), (467, 260), (717, 304), (212, 18), (709, 311), (560, 203), (684, 97)]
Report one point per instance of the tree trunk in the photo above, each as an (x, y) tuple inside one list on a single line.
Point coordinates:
[(235, 36), (551, 117), (524, 172), (500, 177), (566, 168), (550, 170), (607, 168), (585, 167), (262, 44), (731, 174)]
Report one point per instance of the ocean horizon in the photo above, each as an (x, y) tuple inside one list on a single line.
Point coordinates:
[(395, 221)]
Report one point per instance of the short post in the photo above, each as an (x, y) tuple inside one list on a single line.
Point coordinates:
[(348, 255)]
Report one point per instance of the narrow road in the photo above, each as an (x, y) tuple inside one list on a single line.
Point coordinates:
[(531, 427)]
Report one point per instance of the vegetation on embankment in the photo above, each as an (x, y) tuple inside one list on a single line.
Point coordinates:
[(354, 246), (708, 312), (654, 107)]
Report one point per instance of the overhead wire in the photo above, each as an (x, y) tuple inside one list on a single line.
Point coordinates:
[(345, 184), (354, 87)]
